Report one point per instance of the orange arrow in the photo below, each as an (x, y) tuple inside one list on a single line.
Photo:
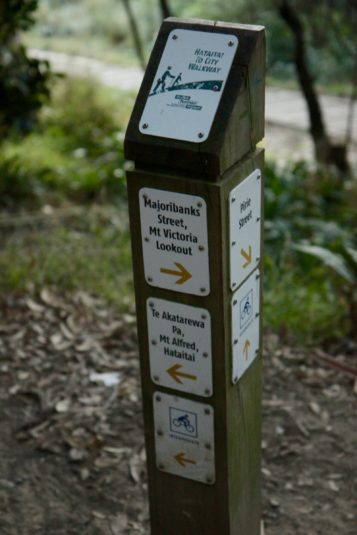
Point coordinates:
[(181, 459), (183, 275), (247, 256), (176, 374), (246, 348)]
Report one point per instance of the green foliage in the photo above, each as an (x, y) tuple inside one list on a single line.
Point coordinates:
[(23, 81), (75, 152), (311, 242)]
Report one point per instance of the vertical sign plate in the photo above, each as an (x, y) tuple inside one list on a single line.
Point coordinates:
[(245, 325), (245, 228), (175, 242), (184, 438), (180, 346), (188, 85)]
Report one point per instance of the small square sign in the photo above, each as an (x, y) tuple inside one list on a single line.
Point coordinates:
[(245, 228), (184, 437), (245, 325), (175, 240), (180, 346)]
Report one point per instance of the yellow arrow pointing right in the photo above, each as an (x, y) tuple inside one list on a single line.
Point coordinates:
[(182, 273)]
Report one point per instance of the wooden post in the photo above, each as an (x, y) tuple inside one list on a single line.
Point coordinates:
[(195, 202)]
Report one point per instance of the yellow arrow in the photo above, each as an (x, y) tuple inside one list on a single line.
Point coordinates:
[(247, 256), (183, 275), (176, 374), (246, 348), (181, 459)]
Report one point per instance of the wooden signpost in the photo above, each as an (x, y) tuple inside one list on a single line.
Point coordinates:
[(195, 202)]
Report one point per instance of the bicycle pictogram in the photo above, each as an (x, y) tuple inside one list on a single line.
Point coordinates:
[(185, 421)]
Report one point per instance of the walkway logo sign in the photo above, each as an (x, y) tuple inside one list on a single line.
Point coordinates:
[(188, 85), (175, 241)]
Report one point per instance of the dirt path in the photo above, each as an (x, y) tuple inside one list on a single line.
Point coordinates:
[(72, 458)]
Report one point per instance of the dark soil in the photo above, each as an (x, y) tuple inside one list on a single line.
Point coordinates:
[(72, 455)]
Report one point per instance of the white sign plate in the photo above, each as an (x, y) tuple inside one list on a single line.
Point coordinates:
[(245, 325), (174, 240), (245, 228), (180, 346), (184, 438), (188, 85)]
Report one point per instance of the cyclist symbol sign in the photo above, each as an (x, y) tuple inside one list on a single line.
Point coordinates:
[(184, 438), (245, 325)]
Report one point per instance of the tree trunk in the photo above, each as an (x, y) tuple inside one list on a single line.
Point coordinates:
[(325, 151), (135, 32), (165, 9)]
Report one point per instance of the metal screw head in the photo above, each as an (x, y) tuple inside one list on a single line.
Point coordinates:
[(201, 135), (145, 126), (149, 279), (156, 378), (205, 354), (235, 342), (151, 304), (209, 479), (235, 302), (235, 380), (199, 204), (161, 466), (233, 243), (230, 43), (160, 433), (208, 446), (203, 316), (207, 411), (146, 239), (207, 391), (153, 342), (201, 248), (202, 290), (174, 37), (158, 398), (233, 199)]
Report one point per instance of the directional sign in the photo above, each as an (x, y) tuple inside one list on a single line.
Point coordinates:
[(174, 240), (245, 325), (245, 228), (188, 85), (180, 346), (184, 437)]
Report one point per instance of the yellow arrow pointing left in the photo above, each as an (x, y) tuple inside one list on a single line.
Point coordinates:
[(182, 460), (175, 373)]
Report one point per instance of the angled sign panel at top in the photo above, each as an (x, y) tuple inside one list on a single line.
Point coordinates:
[(175, 241), (188, 85)]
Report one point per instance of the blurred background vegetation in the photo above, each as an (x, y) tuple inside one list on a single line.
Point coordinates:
[(63, 215)]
